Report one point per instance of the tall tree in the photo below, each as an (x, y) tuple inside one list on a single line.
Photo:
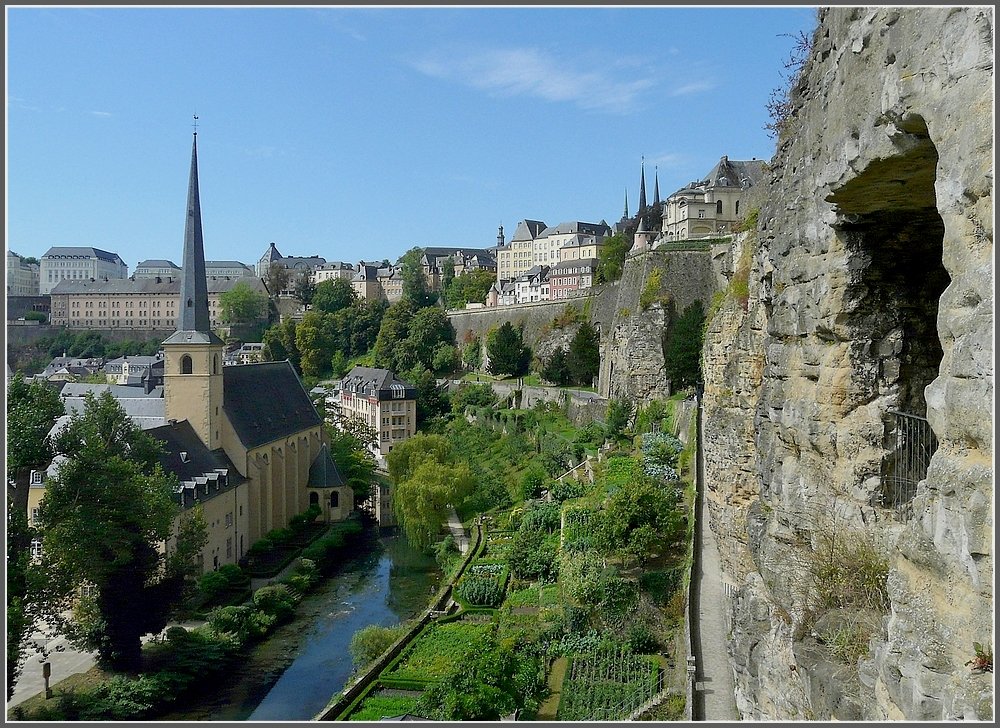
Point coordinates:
[(333, 295), (241, 304), (584, 357), (415, 288), (447, 273), (388, 351), (304, 287), (556, 370), (277, 278), (507, 352), (103, 518), (314, 338), (32, 409), (280, 343), (682, 353), (469, 287)]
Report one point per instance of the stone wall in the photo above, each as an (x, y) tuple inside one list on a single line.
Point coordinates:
[(869, 290)]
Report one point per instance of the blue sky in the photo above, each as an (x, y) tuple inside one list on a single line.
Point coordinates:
[(360, 133)]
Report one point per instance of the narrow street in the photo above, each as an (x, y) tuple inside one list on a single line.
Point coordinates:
[(714, 692)]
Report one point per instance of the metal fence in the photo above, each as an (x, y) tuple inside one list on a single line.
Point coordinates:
[(910, 445)]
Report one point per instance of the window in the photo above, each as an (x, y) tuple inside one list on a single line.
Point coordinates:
[(36, 477), (334, 499), (229, 520), (36, 548), (229, 547), (701, 214), (185, 364), (34, 516), (737, 207), (314, 499), (718, 207)]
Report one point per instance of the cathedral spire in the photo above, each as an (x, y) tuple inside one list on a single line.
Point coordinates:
[(656, 185), (642, 187), (625, 214)]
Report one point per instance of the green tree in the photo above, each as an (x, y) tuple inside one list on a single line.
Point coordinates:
[(314, 339), (103, 517), (639, 515), (507, 352), (584, 357), (415, 289), (369, 643), (304, 287), (389, 352), (618, 413), (682, 353), (334, 295), (428, 328), (445, 358), (423, 501), (280, 343), (556, 369), (612, 258), (277, 278), (32, 409), (350, 440), (472, 353), (241, 304), (469, 287), (447, 273)]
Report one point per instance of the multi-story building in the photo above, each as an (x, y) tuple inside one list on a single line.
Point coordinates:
[(22, 277), (517, 256), (385, 403), (365, 282), (230, 268), (146, 303), (711, 206), (546, 247), (464, 260), (155, 268), (135, 370), (294, 264), (390, 283), (571, 275), (333, 271), (532, 285), (78, 264), (581, 247)]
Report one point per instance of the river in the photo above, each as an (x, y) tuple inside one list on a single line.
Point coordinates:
[(293, 675)]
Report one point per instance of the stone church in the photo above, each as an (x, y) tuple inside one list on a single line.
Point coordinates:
[(245, 441)]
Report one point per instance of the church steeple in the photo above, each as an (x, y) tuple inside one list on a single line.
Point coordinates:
[(193, 315), (642, 186), (656, 185), (625, 214), (192, 369)]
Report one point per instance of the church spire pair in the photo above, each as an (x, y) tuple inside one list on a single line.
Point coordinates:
[(642, 188)]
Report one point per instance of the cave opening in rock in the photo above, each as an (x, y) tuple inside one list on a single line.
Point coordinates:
[(891, 228)]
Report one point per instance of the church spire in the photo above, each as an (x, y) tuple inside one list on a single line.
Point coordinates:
[(642, 187), (193, 315), (625, 214), (656, 185)]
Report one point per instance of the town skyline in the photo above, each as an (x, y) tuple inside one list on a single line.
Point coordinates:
[(458, 124)]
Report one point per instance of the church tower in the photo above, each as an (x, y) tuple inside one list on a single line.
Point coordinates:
[(642, 187), (193, 353)]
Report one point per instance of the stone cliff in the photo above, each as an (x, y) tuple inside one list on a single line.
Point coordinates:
[(854, 346)]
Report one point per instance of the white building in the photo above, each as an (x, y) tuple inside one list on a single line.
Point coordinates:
[(78, 264), (228, 268), (546, 247), (711, 206), (157, 269), (22, 278), (333, 271), (533, 285)]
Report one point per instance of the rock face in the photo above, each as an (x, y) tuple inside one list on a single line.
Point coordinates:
[(869, 292)]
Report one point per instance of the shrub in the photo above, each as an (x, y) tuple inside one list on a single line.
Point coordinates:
[(541, 516), (212, 585), (642, 640), (280, 536), (261, 548), (276, 600), (532, 556), (369, 643), (563, 490), (661, 585)]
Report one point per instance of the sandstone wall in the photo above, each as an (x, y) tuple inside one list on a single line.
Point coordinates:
[(870, 290)]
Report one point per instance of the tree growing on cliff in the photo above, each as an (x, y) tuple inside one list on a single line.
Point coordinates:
[(682, 353), (584, 357), (415, 289), (507, 352), (612, 258), (103, 518)]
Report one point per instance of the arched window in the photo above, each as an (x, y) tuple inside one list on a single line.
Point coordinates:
[(737, 207), (215, 359), (334, 499), (718, 207), (185, 364), (314, 498)]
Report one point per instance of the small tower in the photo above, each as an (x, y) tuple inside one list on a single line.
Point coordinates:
[(625, 214), (192, 369), (643, 239), (642, 187), (500, 237)]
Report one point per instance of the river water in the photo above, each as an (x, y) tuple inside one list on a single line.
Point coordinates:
[(293, 675)]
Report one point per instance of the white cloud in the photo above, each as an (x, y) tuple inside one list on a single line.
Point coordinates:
[(530, 72), (102, 114), (692, 88)]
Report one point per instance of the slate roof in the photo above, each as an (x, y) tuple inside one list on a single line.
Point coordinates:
[(729, 173), (587, 228), (118, 391), (266, 402), (323, 472), (581, 263), (579, 240), (82, 252), (170, 286), (528, 230), (197, 467), (370, 382), (157, 264)]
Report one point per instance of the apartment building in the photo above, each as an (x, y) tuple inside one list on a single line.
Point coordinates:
[(382, 401), (22, 278), (570, 276), (517, 256), (711, 206), (547, 246)]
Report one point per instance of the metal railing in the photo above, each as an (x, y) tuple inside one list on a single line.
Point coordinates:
[(910, 444)]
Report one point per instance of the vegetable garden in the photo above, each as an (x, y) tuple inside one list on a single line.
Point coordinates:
[(607, 685)]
